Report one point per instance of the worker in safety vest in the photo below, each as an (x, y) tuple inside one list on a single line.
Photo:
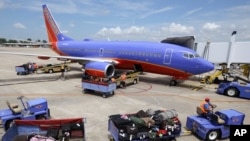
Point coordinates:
[(206, 107)]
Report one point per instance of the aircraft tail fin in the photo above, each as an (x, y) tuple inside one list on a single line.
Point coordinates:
[(53, 31)]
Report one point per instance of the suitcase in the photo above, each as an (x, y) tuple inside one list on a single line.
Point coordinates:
[(131, 129), (52, 132), (66, 128), (142, 135), (77, 126)]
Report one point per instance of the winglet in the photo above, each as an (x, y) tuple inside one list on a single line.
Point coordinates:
[(53, 31)]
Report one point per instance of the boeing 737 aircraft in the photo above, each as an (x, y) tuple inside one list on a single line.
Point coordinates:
[(101, 58)]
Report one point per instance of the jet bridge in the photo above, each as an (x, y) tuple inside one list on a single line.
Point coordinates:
[(231, 53)]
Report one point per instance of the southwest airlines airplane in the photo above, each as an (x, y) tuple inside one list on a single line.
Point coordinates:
[(101, 58)]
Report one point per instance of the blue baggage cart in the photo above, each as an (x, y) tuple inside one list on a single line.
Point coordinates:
[(125, 129), (21, 70), (105, 88)]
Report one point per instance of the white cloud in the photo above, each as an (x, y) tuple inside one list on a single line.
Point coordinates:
[(119, 31), (211, 26), (19, 26), (135, 30), (178, 28)]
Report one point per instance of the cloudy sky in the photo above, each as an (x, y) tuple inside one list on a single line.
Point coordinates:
[(139, 20)]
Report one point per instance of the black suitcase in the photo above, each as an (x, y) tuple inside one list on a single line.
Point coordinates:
[(66, 128), (53, 132)]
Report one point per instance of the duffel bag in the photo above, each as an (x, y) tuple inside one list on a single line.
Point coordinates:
[(137, 121)]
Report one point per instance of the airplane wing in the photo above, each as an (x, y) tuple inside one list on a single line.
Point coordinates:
[(64, 58)]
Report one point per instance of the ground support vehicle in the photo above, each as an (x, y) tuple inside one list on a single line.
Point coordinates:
[(144, 126), (131, 78), (59, 129), (21, 70), (215, 127), (32, 109), (26, 68), (234, 89), (52, 68), (105, 88)]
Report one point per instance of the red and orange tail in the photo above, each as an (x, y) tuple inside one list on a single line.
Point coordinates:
[(54, 33)]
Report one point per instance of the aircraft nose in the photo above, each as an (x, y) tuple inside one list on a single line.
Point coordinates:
[(208, 67)]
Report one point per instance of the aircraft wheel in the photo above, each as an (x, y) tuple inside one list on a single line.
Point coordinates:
[(212, 135), (233, 92), (173, 83), (8, 124)]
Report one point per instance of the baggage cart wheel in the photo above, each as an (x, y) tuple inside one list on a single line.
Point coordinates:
[(84, 91), (50, 71), (122, 84), (135, 81), (104, 95), (112, 93), (8, 124)]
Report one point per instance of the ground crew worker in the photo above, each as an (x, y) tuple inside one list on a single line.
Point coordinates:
[(62, 70), (206, 107), (123, 78), (35, 67)]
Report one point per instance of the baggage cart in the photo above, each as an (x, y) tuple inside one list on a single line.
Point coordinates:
[(123, 128), (21, 70), (105, 88), (60, 129)]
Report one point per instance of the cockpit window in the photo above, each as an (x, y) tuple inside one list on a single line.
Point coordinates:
[(185, 55), (197, 55), (190, 55)]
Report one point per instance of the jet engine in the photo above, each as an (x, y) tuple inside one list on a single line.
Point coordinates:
[(100, 69)]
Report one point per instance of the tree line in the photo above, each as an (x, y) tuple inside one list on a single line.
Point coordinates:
[(3, 40)]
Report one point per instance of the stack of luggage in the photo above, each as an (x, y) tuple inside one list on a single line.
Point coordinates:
[(150, 125)]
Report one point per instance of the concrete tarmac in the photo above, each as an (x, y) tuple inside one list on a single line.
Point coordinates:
[(66, 99)]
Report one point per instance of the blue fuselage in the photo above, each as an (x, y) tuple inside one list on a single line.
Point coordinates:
[(162, 58)]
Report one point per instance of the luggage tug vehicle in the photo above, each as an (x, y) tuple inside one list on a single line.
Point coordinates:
[(218, 127), (35, 109)]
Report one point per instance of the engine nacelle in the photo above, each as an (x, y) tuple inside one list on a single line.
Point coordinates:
[(100, 69)]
